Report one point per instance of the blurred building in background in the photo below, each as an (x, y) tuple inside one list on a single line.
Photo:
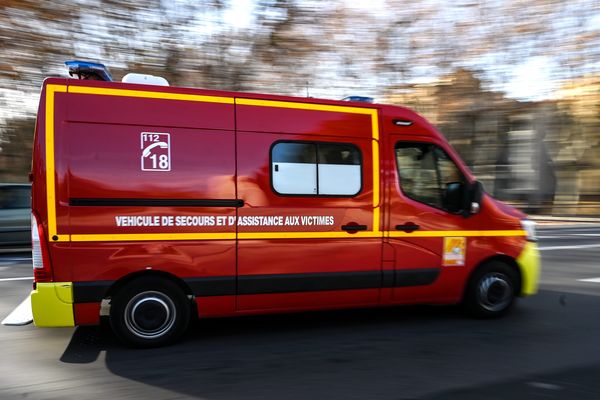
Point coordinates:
[(514, 85), (507, 143)]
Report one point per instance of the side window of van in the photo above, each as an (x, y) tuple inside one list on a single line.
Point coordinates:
[(317, 169), (425, 170)]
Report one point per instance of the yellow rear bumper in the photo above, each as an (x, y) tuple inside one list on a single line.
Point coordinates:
[(530, 266), (52, 304)]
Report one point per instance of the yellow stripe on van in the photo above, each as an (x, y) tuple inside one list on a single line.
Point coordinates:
[(307, 235), (50, 166), (305, 106), (50, 170), (343, 109), (286, 235), (124, 237), (150, 95), (376, 232), (497, 233), (376, 184)]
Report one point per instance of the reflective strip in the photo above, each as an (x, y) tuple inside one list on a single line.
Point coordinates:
[(305, 106), (308, 235), (52, 304), (373, 112), (150, 95), (284, 235), (124, 237), (516, 232), (51, 89), (50, 179), (376, 167)]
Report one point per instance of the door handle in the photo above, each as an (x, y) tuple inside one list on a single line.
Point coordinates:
[(407, 227), (354, 228)]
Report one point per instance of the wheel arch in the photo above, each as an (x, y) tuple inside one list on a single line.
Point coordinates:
[(503, 258), (117, 285), (125, 280)]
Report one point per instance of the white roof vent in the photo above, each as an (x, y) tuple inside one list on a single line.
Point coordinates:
[(145, 79)]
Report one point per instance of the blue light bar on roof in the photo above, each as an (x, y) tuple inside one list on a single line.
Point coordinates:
[(89, 70), (363, 99)]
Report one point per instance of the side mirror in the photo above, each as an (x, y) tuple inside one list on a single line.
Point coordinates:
[(473, 199), (453, 199), (463, 198)]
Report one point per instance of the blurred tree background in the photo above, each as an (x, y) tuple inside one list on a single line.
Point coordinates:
[(514, 84)]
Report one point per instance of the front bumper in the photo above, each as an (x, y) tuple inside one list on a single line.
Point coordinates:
[(530, 266)]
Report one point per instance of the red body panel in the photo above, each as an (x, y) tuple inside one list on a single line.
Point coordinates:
[(113, 218), (285, 120), (87, 313)]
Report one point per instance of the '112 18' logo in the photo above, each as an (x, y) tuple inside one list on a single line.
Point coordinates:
[(156, 151)]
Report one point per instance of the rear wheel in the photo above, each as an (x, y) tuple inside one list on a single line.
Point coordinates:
[(149, 312), (492, 290)]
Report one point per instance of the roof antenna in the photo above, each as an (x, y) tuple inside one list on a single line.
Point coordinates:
[(307, 89)]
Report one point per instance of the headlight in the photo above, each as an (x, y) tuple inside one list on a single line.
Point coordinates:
[(529, 228)]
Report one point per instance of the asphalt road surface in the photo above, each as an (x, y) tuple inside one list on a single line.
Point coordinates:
[(547, 348)]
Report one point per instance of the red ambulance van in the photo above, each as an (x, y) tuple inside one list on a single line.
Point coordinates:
[(155, 204)]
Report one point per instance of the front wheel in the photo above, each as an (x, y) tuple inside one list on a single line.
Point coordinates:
[(149, 312), (492, 290)]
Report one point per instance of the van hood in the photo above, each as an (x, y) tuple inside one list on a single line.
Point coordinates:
[(508, 209)]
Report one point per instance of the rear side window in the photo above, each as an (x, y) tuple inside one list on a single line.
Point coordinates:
[(316, 169), (14, 197)]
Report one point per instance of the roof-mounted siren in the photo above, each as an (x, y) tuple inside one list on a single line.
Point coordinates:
[(89, 70), (145, 79), (363, 99)]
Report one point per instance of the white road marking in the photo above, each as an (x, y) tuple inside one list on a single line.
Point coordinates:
[(22, 278), (550, 237), (12, 261), (544, 385), (593, 280), (578, 246), (21, 315), (568, 235)]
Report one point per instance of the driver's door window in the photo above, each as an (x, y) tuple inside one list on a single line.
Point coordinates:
[(425, 170)]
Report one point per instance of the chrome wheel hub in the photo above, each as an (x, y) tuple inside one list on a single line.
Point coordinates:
[(150, 315)]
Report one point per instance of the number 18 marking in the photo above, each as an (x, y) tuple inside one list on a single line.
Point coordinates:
[(156, 151)]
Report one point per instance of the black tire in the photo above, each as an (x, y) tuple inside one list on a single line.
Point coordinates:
[(149, 312), (492, 290)]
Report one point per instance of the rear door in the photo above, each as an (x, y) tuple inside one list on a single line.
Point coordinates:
[(146, 180)]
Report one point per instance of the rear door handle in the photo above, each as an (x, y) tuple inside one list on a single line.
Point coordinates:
[(354, 228), (407, 227)]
